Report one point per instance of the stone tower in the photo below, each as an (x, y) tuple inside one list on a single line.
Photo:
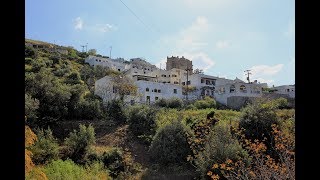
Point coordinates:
[(179, 63)]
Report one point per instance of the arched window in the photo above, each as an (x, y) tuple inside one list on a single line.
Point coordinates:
[(232, 89), (243, 88), (147, 89)]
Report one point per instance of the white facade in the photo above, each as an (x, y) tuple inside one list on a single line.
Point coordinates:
[(236, 88), (115, 64), (149, 91), (285, 89)]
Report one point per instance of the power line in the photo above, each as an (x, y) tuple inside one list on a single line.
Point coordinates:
[(135, 15)]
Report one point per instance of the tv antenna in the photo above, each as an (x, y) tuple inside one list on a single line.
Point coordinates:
[(110, 51), (248, 74), (82, 47)]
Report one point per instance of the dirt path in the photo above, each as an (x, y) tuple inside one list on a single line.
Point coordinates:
[(121, 137)]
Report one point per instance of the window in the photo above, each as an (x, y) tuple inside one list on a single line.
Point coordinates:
[(159, 91), (202, 80), (147, 89), (169, 75), (118, 69), (176, 82), (163, 75), (173, 75), (148, 100), (288, 90), (97, 60), (212, 92), (156, 98), (175, 91), (243, 88), (232, 89), (189, 82), (183, 83), (155, 90)]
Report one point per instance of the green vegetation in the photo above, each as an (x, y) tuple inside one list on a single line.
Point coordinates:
[(170, 146), (142, 122), (79, 142), (46, 148), (172, 139)]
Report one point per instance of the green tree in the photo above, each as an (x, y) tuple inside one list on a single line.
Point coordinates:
[(116, 111), (92, 52), (79, 142), (256, 120), (170, 146), (31, 105), (46, 148), (142, 122)]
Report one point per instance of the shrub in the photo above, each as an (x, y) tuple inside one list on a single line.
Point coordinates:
[(142, 122), (161, 103), (31, 105), (281, 103), (175, 103), (116, 112), (30, 52), (69, 170), (219, 147), (46, 148), (113, 160), (79, 142), (257, 119), (207, 102), (170, 146)]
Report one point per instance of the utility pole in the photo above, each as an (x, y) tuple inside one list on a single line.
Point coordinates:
[(86, 47), (110, 51), (248, 73), (188, 69)]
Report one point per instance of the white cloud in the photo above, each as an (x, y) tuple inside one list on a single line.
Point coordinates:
[(222, 44), (78, 23), (189, 42), (200, 60), (161, 64), (191, 38), (290, 32), (263, 73), (262, 70), (105, 28)]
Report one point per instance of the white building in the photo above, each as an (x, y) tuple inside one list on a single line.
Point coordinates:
[(149, 91), (115, 64), (226, 88), (285, 89)]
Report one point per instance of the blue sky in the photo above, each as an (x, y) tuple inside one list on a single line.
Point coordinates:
[(222, 37)]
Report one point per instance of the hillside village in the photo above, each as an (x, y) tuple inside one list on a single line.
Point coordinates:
[(180, 80)]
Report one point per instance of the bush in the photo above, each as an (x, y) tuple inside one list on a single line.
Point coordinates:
[(142, 122), (207, 102), (170, 146), (281, 103), (79, 143), (161, 103), (46, 148), (30, 52), (175, 103), (113, 160), (257, 119), (219, 147), (116, 112), (65, 170), (31, 105)]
